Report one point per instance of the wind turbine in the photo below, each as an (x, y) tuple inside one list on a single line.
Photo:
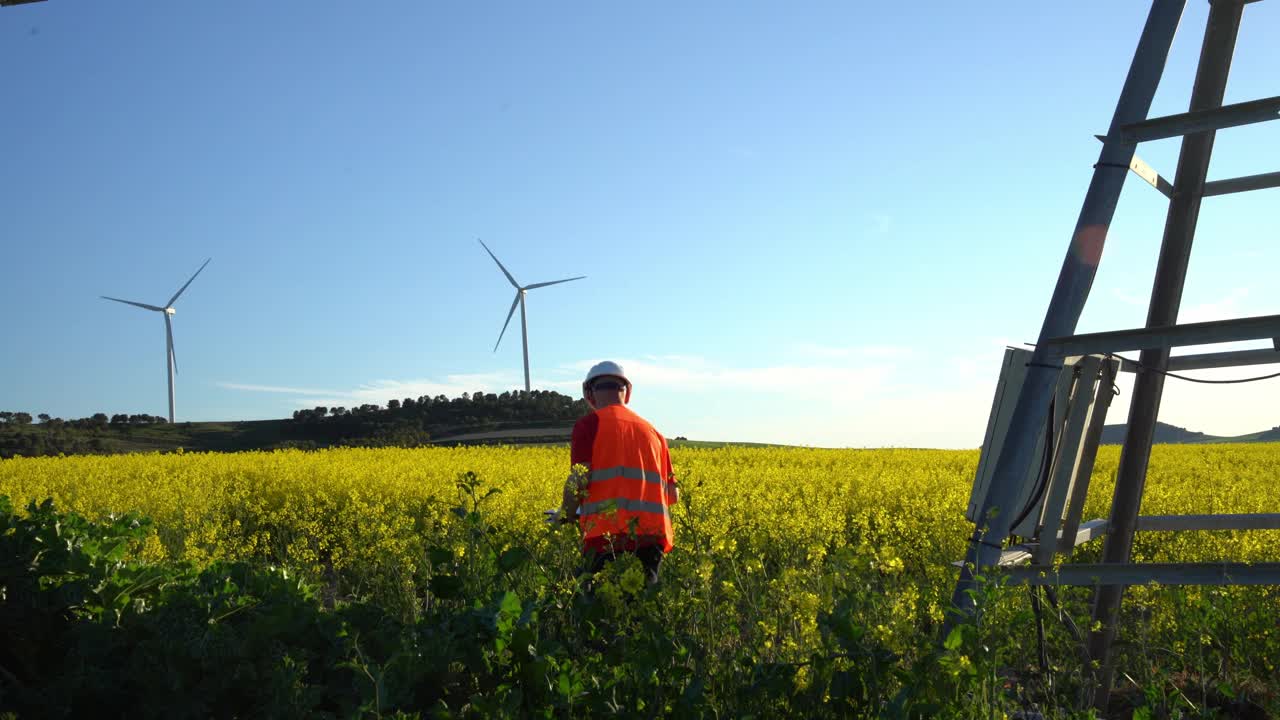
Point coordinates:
[(171, 360), (520, 293)]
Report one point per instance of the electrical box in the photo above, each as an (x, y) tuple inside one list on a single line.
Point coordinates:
[(1051, 495), (1012, 373)]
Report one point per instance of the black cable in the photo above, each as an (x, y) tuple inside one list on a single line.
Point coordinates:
[(1042, 482), (1221, 382), (977, 539), (1200, 380), (1070, 623), (1040, 644), (1067, 620)]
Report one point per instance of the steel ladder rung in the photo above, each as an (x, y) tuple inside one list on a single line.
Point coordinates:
[(1244, 113)]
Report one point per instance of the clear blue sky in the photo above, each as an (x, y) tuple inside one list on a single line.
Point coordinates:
[(813, 224)]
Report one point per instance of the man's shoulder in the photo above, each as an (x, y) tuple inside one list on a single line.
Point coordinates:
[(631, 416), (621, 415), (583, 438), (585, 429), (590, 420)]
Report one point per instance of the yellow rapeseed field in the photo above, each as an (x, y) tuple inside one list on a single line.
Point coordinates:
[(771, 537), (296, 504)]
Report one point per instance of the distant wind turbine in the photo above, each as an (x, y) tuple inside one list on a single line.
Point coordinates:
[(520, 293), (171, 360)]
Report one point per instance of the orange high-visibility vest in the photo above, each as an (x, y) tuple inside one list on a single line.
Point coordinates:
[(627, 491)]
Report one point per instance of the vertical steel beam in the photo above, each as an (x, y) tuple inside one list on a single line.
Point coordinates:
[(1066, 465), (1088, 456), (1074, 281), (1166, 297)]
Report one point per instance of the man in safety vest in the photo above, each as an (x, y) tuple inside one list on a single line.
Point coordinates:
[(624, 500)]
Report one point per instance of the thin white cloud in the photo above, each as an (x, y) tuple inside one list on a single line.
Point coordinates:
[(868, 370), (821, 380), (1224, 308), (378, 392), (1127, 299), (908, 417), (1230, 306), (272, 389), (837, 397), (817, 351), (873, 402), (853, 397)]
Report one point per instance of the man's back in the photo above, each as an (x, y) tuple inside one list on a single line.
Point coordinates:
[(630, 485)]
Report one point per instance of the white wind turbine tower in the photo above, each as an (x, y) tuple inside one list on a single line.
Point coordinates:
[(520, 293), (171, 360)]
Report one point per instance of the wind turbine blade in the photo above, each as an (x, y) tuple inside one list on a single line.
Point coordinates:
[(174, 299), (168, 333), (554, 282), (508, 322), (514, 284), (144, 306)]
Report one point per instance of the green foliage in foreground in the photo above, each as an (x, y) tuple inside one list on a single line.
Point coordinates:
[(85, 627)]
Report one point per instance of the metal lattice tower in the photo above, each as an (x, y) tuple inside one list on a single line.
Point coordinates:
[(1077, 370)]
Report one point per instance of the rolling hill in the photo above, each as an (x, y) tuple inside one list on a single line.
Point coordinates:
[(1167, 434)]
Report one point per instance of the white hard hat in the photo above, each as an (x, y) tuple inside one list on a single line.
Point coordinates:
[(608, 367)]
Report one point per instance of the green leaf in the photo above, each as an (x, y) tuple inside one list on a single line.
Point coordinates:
[(955, 638), (510, 604), (513, 558), (566, 690), (439, 556), (115, 552)]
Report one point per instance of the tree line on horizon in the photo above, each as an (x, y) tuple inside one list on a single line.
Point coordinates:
[(54, 436), (407, 422), (415, 421), (97, 420)]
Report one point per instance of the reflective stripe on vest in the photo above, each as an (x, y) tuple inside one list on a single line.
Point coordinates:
[(614, 504), (630, 473)]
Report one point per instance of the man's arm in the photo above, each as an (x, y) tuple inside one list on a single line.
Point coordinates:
[(575, 488), (669, 472)]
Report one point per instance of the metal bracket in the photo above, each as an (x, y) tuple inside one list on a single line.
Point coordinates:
[(1146, 172)]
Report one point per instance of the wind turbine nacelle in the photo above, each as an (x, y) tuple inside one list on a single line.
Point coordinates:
[(169, 311)]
